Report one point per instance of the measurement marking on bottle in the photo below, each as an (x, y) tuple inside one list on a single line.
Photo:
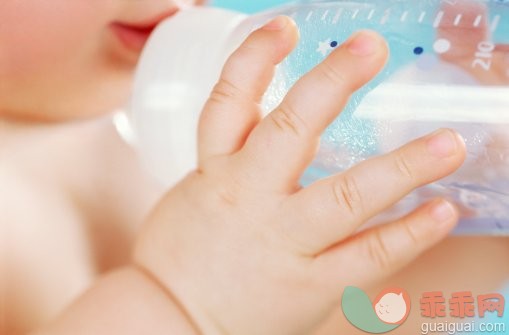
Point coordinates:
[(457, 20), (310, 14), (324, 16), (337, 16), (371, 13), (355, 13), (494, 24), (404, 16), (484, 55), (422, 16), (438, 19), (477, 21), (385, 18)]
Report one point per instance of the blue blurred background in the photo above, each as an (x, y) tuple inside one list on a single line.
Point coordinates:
[(248, 6)]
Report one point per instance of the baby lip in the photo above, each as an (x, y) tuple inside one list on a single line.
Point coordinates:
[(150, 23), (131, 37), (134, 35)]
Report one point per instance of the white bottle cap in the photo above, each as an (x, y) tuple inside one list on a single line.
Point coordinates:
[(178, 69)]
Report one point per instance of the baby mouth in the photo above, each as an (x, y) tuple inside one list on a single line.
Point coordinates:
[(134, 36)]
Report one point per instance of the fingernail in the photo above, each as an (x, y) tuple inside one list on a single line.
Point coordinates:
[(362, 44), (278, 23), (442, 211), (443, 143)]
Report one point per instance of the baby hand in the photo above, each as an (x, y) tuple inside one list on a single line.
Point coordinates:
[(240, 245)]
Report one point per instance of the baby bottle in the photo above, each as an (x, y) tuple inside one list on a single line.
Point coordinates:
[(449, 67)]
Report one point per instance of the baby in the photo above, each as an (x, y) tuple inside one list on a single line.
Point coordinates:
[(237, 247)]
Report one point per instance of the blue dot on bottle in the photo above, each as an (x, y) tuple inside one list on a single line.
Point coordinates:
[(334, 44), (418, 50)]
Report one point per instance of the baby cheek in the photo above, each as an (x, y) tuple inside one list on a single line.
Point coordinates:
[(49, 35)]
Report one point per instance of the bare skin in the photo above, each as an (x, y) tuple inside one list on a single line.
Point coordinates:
[(80, 246), (66, 228)]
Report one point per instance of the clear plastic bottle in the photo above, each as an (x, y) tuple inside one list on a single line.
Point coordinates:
[(449, 67)]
